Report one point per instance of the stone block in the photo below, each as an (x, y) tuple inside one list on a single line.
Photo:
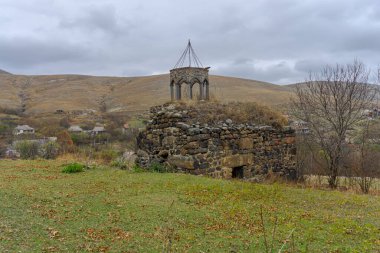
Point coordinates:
[(169, 141), (226, 172), (203, 136), (186, 162), (191, 145), (290, 140), (237, 160), (245, 143)]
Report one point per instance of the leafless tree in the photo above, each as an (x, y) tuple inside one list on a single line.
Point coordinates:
[(365, 162), (364, 180), (332, 102)]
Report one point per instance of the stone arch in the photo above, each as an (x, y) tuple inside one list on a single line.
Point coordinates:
[(185, 90), (197, 91)]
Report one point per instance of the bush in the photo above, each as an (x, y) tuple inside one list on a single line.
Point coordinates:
[(4, 129), (3, 149), (120, 163), (108, 155), (50, 150), (80, 138), (157, 167), (137, 169), (27, 149), (73, 168), (65, 141)]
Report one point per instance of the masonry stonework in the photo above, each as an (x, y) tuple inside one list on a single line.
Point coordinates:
[(223, 149), (189, 76)]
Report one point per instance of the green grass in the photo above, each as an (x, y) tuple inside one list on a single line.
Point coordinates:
[(109, 210)]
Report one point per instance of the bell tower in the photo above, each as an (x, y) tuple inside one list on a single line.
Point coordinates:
[(188, 72)]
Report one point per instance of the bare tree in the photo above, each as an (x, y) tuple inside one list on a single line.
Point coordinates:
[(366, 161), (332, 102)]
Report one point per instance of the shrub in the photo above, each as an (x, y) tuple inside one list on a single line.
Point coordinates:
[(4, 129), (108, 155), (73, 168), (3, 148), (137, 169), (120, 163), (27, 149), (65, 122), (78, 138), (65, 141), (157, 167), (50, 150)]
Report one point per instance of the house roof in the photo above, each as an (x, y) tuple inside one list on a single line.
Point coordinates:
[(98, 129), (24, 127), (75, 129)]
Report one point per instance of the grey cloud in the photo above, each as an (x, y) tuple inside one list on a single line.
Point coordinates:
[(310, 65), (275, 40), (279, 72), (95, 18), (20, 52)]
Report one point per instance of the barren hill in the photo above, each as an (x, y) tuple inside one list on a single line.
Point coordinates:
[(39, 94), (4, 72)]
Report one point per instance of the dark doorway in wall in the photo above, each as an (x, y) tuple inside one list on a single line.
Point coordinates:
[(238, 172)]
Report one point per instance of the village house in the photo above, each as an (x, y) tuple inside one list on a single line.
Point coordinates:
[(98, 130), (300, 126), (372, 113), (23, 129), (75, 129)]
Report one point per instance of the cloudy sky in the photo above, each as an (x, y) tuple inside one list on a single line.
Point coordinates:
[(277, 41)]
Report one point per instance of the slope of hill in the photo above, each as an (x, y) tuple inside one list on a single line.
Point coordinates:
[(39, 94), (4, 72)]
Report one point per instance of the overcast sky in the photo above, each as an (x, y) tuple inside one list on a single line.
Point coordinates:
[(276, 41)]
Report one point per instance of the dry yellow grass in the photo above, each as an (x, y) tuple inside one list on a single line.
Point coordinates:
[(75, 92)]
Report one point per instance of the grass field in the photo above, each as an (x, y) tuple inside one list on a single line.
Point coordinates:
[(109, 210)]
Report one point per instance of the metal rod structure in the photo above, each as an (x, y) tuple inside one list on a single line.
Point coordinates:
[(190, 55)]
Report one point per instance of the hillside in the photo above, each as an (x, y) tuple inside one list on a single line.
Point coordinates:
[(4, 72), (49, 93)]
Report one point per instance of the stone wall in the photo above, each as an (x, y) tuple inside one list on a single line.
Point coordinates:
[(223, 149), (189, 75)]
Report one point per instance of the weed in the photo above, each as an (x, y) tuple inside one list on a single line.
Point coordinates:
[(157, 167), (73, 168), (137, 169), (120, 163)]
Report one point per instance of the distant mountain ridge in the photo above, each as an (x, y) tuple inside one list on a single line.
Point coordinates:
[(49, 93), (4, 72)]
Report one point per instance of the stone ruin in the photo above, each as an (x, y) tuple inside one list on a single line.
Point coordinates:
[(222, 149)]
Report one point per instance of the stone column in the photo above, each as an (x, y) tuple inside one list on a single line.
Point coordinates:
[(179, 92), (201, 92), (172, 91), (190, 91), (207, 91)]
